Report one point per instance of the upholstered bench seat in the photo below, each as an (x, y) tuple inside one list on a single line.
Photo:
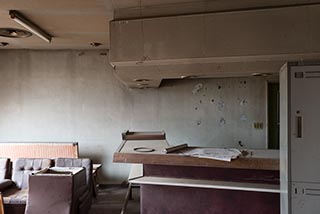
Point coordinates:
[(15, 196)]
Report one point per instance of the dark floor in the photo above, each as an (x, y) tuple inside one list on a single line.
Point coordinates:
[(111, 199)]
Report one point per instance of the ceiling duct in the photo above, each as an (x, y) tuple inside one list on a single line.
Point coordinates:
[(266, 36)]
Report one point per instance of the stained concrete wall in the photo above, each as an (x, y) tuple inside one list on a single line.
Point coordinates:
[(74, 96)]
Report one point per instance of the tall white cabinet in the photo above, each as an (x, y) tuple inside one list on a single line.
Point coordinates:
[(300, 138)]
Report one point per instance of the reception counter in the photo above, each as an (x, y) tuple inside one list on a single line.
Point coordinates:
[(175, 183)]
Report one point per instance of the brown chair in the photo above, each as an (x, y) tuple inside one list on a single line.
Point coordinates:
[(55, 190), (86, 194)]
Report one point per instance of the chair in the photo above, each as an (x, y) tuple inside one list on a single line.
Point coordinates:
[(55, 190), (86, 193), (1, 205)]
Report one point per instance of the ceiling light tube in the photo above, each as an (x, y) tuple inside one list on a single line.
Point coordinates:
[(20, 19)]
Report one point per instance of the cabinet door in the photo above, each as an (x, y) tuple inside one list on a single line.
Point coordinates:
[(305, 198), (305, 123)]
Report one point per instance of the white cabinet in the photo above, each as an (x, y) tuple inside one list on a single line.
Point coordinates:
[(300, 138)]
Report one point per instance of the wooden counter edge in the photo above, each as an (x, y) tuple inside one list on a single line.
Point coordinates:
[(177, 160)]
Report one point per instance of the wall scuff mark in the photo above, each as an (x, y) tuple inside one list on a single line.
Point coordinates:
[(243, 102), (222, 121), (220, 105), (243, 117), (197, 88)]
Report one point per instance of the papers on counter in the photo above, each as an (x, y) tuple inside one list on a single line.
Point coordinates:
[(212, 153)]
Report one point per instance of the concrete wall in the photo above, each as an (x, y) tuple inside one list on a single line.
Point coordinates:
[(74, 96)]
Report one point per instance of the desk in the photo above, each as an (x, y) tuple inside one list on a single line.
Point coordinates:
[(171, 183)]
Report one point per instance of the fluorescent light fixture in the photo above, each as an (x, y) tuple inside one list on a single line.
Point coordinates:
[(20, 19)]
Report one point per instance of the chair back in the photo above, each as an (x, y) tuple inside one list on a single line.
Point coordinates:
[(23, 167), (77, 162)]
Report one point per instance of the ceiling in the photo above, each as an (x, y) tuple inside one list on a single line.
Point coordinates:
[(74, 24)]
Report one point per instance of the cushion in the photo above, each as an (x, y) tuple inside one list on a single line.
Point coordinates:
[(15, 196)]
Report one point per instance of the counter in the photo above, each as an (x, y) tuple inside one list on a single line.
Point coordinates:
[(173, 183), (256, 159)]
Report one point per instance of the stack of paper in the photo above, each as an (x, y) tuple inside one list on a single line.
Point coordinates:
[(212, 153)]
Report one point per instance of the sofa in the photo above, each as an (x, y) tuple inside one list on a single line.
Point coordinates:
[(15, 190)]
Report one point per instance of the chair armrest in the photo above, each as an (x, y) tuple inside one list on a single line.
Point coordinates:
[(5, 184)]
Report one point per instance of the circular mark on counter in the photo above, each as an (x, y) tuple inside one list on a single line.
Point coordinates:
[(144, 149)]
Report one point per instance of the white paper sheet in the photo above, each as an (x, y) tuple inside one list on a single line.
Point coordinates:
[(212, 153)]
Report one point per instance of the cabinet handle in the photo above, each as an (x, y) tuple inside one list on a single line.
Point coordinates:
[(299, 126)]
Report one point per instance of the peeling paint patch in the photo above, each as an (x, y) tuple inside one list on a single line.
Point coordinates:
[(222, 121), (243, 117), (197, 88), (220, 105), (242, 84), (243, 102)]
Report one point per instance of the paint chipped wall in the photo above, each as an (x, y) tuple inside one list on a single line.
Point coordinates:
[(74, 96), (205, 112)]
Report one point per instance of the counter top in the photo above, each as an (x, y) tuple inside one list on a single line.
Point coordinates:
[(255, 159)]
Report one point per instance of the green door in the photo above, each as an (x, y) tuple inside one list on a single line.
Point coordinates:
[(273, 115)]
